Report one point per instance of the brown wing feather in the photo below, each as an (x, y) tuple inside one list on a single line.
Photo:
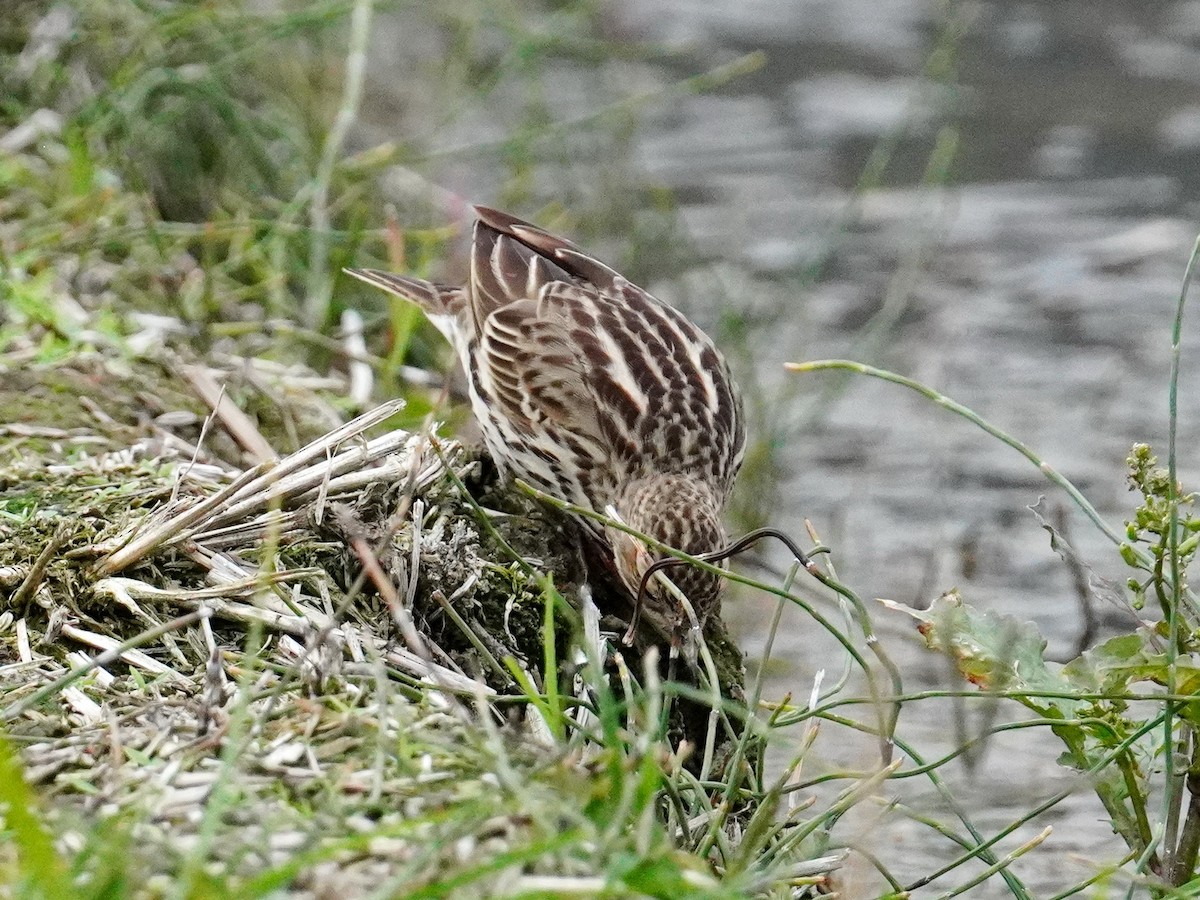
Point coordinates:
[(504, 270), (568, 261), (641, 379), (579, 364), (537, 371)]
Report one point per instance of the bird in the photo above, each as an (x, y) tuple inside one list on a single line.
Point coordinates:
[(595, 392)]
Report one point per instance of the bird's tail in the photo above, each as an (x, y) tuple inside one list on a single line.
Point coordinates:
[(434, 299)]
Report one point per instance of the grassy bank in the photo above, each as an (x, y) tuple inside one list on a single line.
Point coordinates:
[(268, 629)]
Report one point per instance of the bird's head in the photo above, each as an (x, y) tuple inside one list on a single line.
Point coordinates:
[(683, 513)]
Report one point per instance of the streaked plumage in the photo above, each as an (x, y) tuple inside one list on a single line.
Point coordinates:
[(594, 391)]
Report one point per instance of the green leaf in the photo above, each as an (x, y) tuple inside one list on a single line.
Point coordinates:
[(1122, 661), (1002, 653), (40, 865), (994, 651)]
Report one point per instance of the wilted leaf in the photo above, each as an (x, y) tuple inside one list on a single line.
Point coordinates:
[(1002, 653), (994, 651), (1102, 588)]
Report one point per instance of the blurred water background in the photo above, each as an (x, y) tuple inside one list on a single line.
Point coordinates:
[(995, 198)]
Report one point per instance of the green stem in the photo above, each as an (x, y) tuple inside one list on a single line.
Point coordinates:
[(887, 719), (320, 281), (1189, 840), (970, 415), (1137, 800), (1052, 474), (1171, 799)]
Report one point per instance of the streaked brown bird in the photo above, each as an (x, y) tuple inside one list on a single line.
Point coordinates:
[(594, 391)]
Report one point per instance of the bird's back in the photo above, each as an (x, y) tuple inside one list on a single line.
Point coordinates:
[(581, 380)]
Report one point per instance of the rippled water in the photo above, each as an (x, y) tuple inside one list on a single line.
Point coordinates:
[(1038, 290), (1037, 287)]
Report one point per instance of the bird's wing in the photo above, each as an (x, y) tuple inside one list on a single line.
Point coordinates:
[(536, 362), (568, 345), (564, 253)]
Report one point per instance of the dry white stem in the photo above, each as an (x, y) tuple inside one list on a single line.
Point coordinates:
[(91, 711), (414, 561), (538, 730), (19, 429), (318, 512), (295, 480), (818, 866), (162, 527), (104, 678), (290, 647), (560, 885), (135, 658), (39, 124), (321, 447), (437, 675), (362, 376), (258, 488), (248, 533), (395, 468), (24, 651), (285, 755), (129, 589), (245, 613), (236, 422), (222, 569)]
